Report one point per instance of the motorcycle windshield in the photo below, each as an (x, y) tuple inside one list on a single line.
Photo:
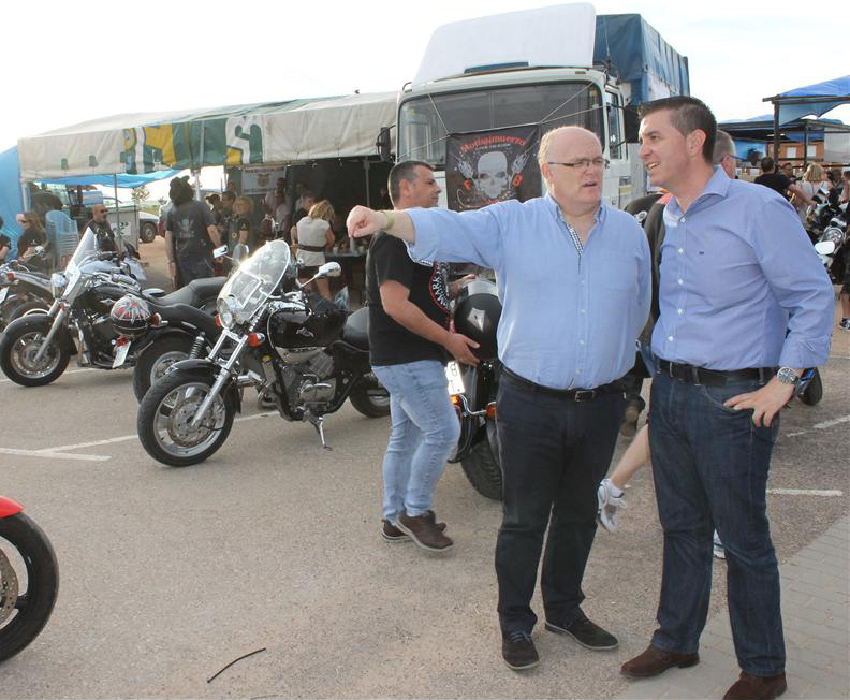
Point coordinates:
[(257, 278), (86, 250)]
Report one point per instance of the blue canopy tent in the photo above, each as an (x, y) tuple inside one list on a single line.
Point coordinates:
[(815, 99)]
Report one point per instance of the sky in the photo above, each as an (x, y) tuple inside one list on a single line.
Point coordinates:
[(70, 62)]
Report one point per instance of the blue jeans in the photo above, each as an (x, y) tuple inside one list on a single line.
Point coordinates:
[(710, 465), (425, 431)]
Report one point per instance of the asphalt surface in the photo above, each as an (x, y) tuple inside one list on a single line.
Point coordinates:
[(168, 575)]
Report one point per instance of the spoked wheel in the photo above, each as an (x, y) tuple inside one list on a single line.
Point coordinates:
[(19, 347), (370, 397), (29, 582), (164, 422), (155, 360)]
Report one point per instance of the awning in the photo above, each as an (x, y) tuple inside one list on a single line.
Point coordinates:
[(814, 100), (278, 132), (122, 180)]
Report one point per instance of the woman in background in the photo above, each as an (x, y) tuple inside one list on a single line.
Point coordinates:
[(313, 236)]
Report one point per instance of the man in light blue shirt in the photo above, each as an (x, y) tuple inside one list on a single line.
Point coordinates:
[(745, 306), (574, 281)]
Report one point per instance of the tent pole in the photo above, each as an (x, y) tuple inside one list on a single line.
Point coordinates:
[(776, 133), (117, 212), (366, 166), (806, 145)]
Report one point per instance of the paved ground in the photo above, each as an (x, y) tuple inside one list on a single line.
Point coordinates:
[(170, 574)]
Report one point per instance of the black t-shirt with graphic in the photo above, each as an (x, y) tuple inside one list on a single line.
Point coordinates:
[(188, 224), (238, 224), (390, 343), (30, 239)]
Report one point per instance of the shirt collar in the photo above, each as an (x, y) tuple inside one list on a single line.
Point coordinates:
[(718, 184), (555, 208)]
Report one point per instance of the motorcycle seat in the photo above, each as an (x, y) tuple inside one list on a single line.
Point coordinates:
[(356, 329), (194, 293), (175, 313)]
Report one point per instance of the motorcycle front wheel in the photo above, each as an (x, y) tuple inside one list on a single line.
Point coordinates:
[(29, 583), (20, 345), (165, 416)]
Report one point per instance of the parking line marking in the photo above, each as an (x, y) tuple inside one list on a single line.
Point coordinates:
[(804, 492), (123, 438), (830, 423), (55, 455)]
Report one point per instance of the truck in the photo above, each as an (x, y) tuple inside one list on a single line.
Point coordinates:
[(488, 88)]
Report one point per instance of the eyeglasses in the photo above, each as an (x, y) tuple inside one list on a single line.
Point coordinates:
[(584, 163), (100, 211)]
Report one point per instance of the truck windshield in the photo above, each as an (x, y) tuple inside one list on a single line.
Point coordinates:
[(424, 122)]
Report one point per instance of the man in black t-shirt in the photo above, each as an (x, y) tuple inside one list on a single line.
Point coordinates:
[(409, 344), (190, 236), (103, 232), (777, 181)]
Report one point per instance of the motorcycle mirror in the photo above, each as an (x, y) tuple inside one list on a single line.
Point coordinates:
[(329, 269), (220, 252), (825, 247), (240, 252)]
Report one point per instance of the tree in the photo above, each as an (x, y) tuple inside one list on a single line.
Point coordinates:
[(140, 194)]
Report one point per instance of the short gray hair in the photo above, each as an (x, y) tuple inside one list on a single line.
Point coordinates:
[(723, 146)]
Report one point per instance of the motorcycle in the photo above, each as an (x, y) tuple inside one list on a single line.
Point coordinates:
[(291, 345), (157, 332), (473, 389), (23, 290), (36, 349), (29, 579)]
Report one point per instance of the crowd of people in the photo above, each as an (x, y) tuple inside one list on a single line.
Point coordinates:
[(741, 305)]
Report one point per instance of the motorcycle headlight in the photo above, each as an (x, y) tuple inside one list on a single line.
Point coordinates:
[(227, 311), (57, 284)]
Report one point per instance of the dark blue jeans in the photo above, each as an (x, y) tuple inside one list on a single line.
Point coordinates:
[(553, 452), (710, 465), (194, 268)]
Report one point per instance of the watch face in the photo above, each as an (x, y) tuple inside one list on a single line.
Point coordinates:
[(786, 375)]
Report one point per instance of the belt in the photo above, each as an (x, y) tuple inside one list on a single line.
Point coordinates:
[(577, 395), (714, 377), (312, 248)]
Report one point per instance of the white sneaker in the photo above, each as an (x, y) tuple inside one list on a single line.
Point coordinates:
[(609, 504)]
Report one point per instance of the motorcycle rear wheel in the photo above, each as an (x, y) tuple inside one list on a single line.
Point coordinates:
[(483, 470), (156, 358), (370, 398), (164, 415), (18, 348), (30, 583)]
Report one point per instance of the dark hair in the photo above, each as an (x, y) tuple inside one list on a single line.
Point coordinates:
[(767, 164), (689, 114), (213, 197), (227, 194), (180, 191), (404, 170)]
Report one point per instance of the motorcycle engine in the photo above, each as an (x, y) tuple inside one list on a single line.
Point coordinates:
[(310, 384)]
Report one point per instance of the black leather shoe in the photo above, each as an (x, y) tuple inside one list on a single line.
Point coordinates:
[(588, 634), (518, 650)]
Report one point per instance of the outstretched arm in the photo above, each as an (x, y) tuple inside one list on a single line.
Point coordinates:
[(363, 221)]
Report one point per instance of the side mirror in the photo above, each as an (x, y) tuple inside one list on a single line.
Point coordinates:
[(240, 252), (631, 121), (385, 145), (825, 247), (330, 269)]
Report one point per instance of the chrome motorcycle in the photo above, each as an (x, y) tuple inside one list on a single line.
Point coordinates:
[(293, 346), (36, 349)]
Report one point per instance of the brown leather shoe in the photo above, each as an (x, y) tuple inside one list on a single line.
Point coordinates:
[(423, 530), (750, 687), (654, 661)]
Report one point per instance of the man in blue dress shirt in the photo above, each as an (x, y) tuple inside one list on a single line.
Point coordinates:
[(574, 281), (745, 306)]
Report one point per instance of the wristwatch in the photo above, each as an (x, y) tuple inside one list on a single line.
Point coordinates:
[(787, 375)]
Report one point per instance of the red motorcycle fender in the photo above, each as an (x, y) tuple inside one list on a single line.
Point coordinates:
[(9, 507)]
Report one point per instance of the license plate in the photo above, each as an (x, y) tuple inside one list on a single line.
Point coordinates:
[(3, 293), (120, 354), (455, 380)]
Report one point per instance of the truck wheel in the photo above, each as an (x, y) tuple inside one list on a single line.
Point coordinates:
[(482, 469), (148, 232)]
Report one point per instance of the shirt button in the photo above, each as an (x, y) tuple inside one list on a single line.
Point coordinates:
[(669, 337), (681, 281), (681, 311), (581, 342), (682, 219), (578, 371), (681, 250)]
